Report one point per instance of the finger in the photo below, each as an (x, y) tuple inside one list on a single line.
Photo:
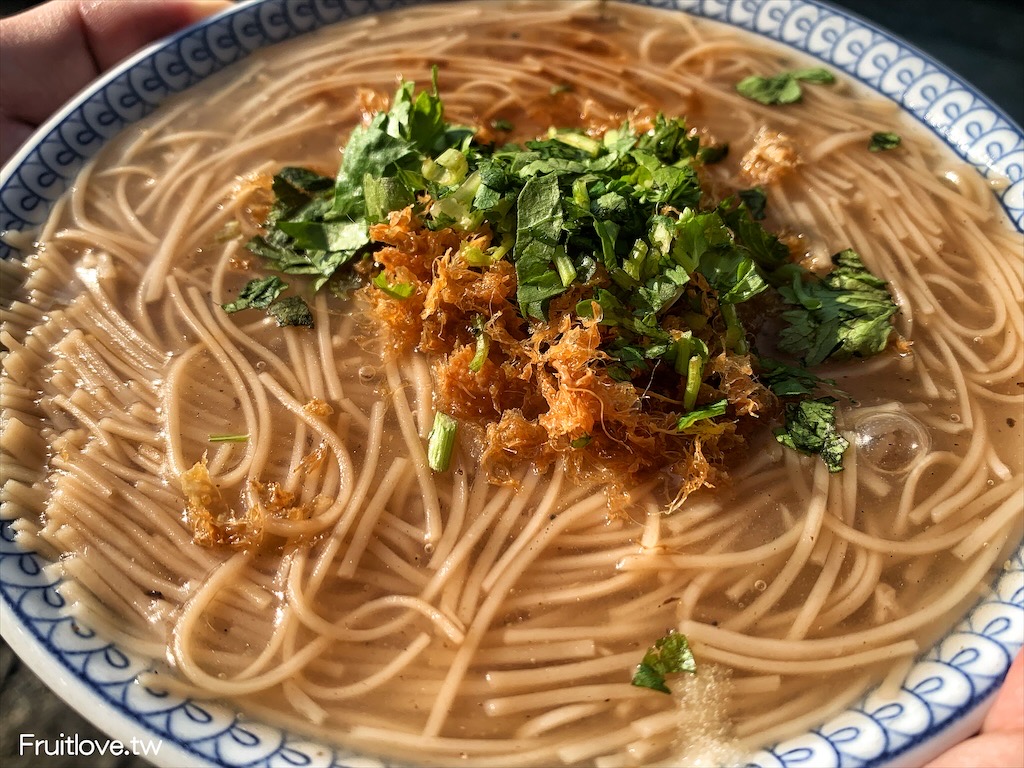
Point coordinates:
[(1007, 713), (51, 52), (13, 133), (990, 750), (115, 30)]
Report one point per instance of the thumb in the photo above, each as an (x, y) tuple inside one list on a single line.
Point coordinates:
[(51, 52)]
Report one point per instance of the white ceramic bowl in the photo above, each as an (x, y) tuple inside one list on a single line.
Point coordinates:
[(946, 691)]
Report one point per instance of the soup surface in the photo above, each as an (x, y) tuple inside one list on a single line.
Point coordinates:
[(437, 617)]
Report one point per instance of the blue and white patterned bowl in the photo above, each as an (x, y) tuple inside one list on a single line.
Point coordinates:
[(945, 693)]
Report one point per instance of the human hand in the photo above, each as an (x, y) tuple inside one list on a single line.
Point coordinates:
[(49, 53), (1000, 743)]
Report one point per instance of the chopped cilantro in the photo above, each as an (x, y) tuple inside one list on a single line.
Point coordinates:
[(789, 381), (845, 314), (502, 125), (811, 428), (712, 154), (668, 655), (257, 294), (783, 88), (291, 310), (617, 222), (538, 230), (884, 140), (560, 88)]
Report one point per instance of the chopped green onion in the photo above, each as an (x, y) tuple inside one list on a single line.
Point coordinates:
[(566, 271), (578, 141), (498, 251), (694, 373), (474, 255), (458, 206), (681, 353), (441, 442), (707, 412), (501, 125), (483, 344), (735, 336), (229, 438), (580, 194), (449, 168), (581, 442), (400, 291)]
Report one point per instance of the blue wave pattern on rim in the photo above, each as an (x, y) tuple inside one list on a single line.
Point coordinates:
[(949, 680)]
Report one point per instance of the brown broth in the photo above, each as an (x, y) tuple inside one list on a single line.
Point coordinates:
[(611, 582)]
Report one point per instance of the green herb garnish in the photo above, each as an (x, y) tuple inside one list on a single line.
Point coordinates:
[(699, 414), (883, 141), (615, 220), (259, 293), (229, 438), (783, 88), (811, 428), (712, 154), (845, 314), (669, 654), (441, 442), (399, 291), (291, 310), (483, 345)]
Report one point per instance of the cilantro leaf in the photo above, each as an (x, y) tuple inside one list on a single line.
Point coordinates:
[(783, 88), (811, 428), (713, 154), (755, 200), (256, 294), (668, 655), (777, 89), (346, 236), (789, 381), (818, 75), (846, 314), (291, 310), (538, 229)]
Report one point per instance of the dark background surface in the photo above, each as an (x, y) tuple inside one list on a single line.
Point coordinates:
[(979, 40)]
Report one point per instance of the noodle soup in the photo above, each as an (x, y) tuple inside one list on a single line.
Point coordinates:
[(439, 617)]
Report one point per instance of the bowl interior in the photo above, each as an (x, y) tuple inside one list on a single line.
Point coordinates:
[(940, 697)]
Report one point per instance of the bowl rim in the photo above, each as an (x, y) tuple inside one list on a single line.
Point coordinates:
[(123, 723)]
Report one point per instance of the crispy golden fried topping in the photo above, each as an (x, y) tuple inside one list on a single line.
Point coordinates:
[(210, 517), (773, 156), (543, 389)]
